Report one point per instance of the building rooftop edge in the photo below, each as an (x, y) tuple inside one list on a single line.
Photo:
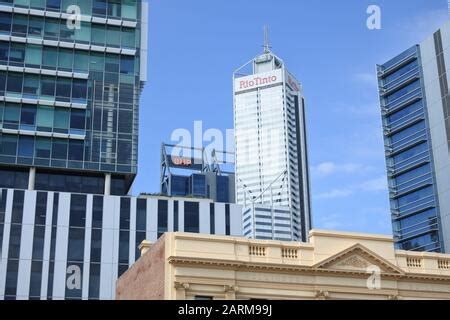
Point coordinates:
[(348, 234)]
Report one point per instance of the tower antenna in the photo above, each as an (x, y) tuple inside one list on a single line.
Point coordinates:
[(267, 46)]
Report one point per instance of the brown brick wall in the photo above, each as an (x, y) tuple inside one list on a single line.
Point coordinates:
[(145, 279)]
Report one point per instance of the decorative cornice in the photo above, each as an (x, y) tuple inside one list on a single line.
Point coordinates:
[(290, 268)]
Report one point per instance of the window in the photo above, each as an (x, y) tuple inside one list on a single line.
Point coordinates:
[(8, 146), (17, 54), (15, 82), (5, 22), (212, 218), (162, 217), (99, 7), (35, 27), (4, 52), (53, 5), (63, 89), (51, 30), (31, 86), (61, 121), (44, 118), (128, 38), (59, 149), (415, 196), (403, 91), (113, 36), (33, 56), (97, 212), (28, 115), (81, 61), (65, 59), (114, 8), (227, 220), (50, 58), (20, 25), (97, 62), (79, 90), (26, 146), (127, 65), (12, 114), (76, 150), (43, 148), (77, 119), (191, 217), (48, 87), (176, 216), (417, 150), (198, 185), (129, 9), (98, 34)]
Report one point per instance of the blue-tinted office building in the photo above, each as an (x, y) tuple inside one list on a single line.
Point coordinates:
[(69, 94), (415, 105)]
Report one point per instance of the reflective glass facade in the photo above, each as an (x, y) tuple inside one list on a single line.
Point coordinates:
[(69, 94), (207, 185), (409, 157)]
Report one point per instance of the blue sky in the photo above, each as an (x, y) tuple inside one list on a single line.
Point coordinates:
[(195, 45)]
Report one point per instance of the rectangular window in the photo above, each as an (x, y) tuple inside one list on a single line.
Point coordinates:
[(94, 281), (162, 217), (125, 213), (175, 216), (53, 246), (191, 217), (97, 212), (78, 211), (227, 220), (212, 218), (43, 148)]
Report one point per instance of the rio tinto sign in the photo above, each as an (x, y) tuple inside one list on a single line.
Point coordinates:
[(258, 80)]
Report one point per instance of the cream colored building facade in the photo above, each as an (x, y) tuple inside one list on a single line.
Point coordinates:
[(333, 265)]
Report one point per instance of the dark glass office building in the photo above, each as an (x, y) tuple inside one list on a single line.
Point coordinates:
[(415, 105), (69, 94)]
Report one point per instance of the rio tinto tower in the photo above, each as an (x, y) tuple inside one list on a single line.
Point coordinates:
[(272, 179)]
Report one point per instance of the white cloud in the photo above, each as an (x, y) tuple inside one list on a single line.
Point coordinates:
[(372, 185), (369, 78), (335, 193), (377, 184), (420, 27), (329, 168)]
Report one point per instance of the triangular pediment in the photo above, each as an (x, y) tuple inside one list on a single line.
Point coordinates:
[(358, 258)]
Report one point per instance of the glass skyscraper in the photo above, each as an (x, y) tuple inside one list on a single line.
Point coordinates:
[(69, 94), (71, 73), (271, 150), (415, 106)]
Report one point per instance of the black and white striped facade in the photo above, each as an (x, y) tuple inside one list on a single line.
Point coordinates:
[(75, 246)]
